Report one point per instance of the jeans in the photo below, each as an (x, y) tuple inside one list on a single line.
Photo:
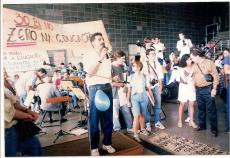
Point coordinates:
[(167, 77), (228, 104), (156, 108), (204, 99), (105, 117), (125, 112), (140, 102), (13, 144), (73, 97), (22, 99)]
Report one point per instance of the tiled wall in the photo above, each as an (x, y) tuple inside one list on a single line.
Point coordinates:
[(127, 23)]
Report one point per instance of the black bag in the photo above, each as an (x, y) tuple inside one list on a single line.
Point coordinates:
[(208, 77), (153, 82), (170, 91), (26, 129), (37, 99)]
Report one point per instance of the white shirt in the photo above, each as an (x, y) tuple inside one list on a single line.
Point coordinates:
[(159, 50), (23, 82), (9, 109), (178, 74), (45, 91), (136, 83), (143, 53), (103, 75), (218, 63), (152, 75), (175, 76), (184, 49)]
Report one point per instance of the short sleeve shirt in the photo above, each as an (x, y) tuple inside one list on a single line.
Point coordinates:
[(227, 62)]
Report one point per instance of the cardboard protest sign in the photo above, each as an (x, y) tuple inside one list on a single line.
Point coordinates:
[(27, 39)]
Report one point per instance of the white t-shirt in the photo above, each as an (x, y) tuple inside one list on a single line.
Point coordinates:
[(103, 75), (158, 69), (184, 49), (23, 82), (159, 50), (137, 83), (45, 91)]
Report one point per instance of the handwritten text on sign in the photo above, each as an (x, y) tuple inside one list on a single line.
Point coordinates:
[(23, 33), (17, 61)]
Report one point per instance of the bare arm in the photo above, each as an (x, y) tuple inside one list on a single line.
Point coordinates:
[(117, 82), (150, 95), (94, 69), (24, 113), (20, 115)]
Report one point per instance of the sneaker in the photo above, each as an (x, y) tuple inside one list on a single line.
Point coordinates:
[(144, 132), (109, 149), (187, 120), (129, 130), (116, 130), (95, 152), (149, 129), (227, 132), (136, 138), (159, 125)]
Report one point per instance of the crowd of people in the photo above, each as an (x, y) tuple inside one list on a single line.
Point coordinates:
[(131, 88)]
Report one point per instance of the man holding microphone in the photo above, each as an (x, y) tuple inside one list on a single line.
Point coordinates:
[(97, 64)]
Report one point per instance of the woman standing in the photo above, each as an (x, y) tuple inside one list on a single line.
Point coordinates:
[(186, 89), (139, 97)]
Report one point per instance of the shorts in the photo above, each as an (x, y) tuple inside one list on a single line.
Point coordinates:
[(186, 93)]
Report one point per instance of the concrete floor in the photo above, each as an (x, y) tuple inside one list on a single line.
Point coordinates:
[(221, 142)]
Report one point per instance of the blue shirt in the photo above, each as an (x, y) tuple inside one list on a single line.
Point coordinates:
[(227, 62)]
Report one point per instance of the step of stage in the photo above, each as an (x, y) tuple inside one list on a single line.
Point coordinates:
[(122, 143)]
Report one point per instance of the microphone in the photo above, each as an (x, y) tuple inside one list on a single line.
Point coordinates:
[(106, 55)]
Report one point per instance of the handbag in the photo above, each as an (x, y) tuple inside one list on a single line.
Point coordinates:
[(208, 77), (27, 129)]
